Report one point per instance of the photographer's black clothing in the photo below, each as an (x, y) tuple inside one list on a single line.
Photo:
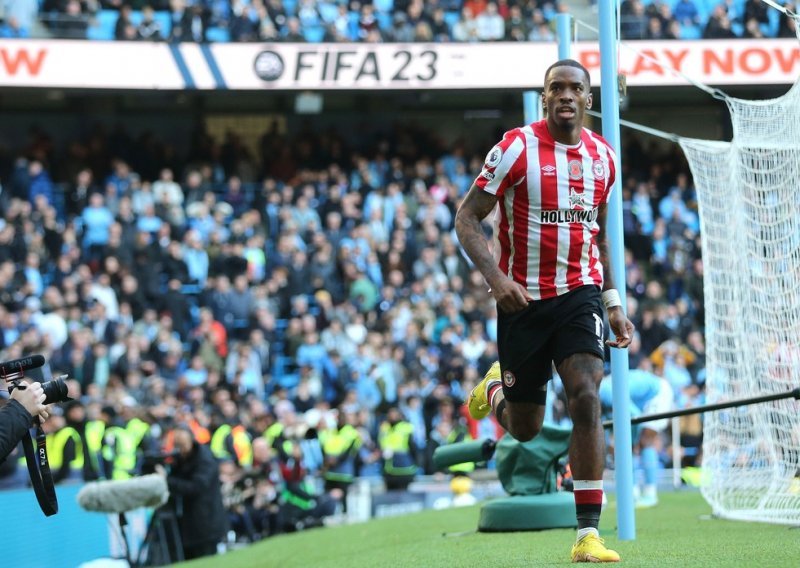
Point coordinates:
[(195, 488), (14, 423)]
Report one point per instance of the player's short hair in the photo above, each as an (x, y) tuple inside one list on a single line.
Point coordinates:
[(568, 63)]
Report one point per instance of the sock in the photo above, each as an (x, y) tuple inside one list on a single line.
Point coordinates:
[(650, 465), (588, 503), (492, 388)]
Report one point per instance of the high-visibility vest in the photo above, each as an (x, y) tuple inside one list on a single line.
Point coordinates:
[(241, 444), (334, 443), (137, 429), (394, 442), (201, 434), (94, 442), (119, 450), (55, 448), (272, 433)]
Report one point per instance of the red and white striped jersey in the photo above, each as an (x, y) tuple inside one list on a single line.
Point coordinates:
[(549, 195)]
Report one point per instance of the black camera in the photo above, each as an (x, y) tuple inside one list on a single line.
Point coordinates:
[(13, 371)]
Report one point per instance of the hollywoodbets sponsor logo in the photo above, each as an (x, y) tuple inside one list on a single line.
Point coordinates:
[(568, 216)]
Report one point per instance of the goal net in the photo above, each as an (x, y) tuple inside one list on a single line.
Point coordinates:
[(749, 196)]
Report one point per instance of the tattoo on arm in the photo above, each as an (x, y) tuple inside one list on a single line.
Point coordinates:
[(602, 247), (475, 207)]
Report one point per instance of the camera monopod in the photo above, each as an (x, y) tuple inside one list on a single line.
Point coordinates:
[(36, 459)]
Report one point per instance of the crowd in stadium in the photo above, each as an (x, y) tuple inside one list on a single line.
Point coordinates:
[(378, 21), (305, 311)]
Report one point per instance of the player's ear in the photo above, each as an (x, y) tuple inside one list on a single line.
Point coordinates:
[(589, 101)]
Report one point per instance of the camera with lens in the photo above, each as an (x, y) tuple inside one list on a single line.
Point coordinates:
[(13, 371), (151, 460), (54, 391)]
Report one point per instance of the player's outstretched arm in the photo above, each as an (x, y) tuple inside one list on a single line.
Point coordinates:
[(510, 296), (619, 322)]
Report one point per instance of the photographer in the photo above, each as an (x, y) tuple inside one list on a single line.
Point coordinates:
[(16, 416), (194, 486)]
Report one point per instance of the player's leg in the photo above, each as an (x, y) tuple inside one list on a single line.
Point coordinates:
[(520, 413), (514, 388), (578, 354), (649, 441), (648, 456), (581, 374)]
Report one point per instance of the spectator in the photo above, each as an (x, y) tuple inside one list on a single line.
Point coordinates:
[(10, 28), (367, 22), (718, 26), (149, 28), (634, 24), (24, 14), (97, 219), (40, 184), (756, 10), (685, 12), (752, 29), (490, 24), (466, 29), (787, 24), (194, 487), (245, 25), (124, 28), (440, 30), (188, 22), (292, 31), (401, 31)]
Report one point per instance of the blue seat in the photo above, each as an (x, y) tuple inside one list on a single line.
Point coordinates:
[(218, 35), (328, 11), (103, 28), (771, 29), (384, 20), (383, 6), (451, 17), (164, 18), (691, 32), (352, 24), (314, 34)]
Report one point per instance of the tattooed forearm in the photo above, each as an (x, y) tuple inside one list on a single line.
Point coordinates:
[(476, 206)]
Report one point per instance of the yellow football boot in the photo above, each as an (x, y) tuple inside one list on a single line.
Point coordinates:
[(591, 548), (478, 404)]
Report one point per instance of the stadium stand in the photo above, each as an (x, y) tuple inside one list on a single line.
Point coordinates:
[(251, 296), (320, 20)]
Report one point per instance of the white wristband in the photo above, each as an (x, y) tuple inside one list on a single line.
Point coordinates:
[(611, 299)]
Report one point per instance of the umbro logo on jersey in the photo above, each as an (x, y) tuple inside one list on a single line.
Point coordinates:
[(549, 170)]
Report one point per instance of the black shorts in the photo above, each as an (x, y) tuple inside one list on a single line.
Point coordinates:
[(545, 333)]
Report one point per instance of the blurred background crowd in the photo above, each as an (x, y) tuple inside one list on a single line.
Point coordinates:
[(378, 20), (305, 310)]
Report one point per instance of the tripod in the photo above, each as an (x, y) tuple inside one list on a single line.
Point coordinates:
[(162, 543)]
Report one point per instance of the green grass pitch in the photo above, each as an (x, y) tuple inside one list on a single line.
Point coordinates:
[(678, 532)]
